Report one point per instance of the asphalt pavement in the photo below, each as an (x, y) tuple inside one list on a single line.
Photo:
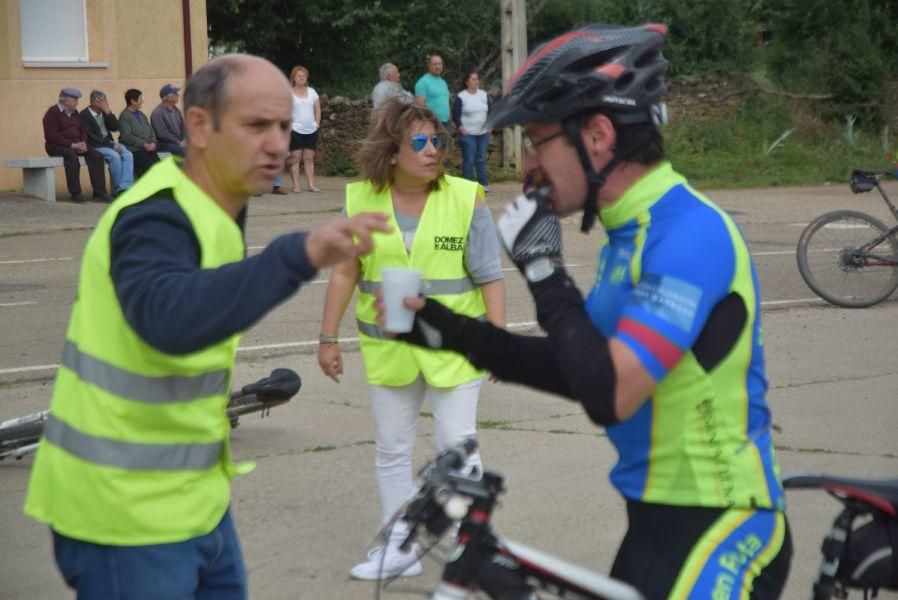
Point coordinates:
[(307, 512)]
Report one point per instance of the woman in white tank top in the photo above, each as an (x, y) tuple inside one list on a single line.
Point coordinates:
[(304, 136)]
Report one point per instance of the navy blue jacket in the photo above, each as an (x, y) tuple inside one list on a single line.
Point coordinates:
[(173, 304)]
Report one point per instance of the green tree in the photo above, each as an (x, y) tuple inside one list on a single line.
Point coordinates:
[(343, 42), (705, 36), (835, 47)]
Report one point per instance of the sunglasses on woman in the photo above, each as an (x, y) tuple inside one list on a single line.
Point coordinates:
[(419, 142)]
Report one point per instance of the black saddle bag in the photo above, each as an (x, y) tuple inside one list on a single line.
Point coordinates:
[(871, 555)]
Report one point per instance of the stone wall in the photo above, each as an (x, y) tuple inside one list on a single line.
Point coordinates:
[(345, 123)]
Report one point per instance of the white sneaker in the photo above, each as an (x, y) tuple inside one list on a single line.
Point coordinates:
[(405, 564)]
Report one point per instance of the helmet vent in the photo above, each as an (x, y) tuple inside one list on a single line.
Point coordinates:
[(624, 82)]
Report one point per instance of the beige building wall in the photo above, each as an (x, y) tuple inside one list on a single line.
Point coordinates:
[(130, 44)]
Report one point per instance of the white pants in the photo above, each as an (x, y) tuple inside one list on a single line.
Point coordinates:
[(396, 411)]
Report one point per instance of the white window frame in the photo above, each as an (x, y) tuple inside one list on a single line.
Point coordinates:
[(57, 61)]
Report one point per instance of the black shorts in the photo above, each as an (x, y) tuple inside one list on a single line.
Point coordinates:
[(303, 141), (678, 552)]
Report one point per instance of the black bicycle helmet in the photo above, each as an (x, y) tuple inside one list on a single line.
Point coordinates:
[(618, 70), (597, 67)]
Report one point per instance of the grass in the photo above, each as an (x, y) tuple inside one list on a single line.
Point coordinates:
[(736, 150), (322, 449), (493, 425), (733, 148)]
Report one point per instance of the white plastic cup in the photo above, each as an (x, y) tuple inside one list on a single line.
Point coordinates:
[(397, 285)]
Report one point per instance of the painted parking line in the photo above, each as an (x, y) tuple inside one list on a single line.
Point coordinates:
[(307, 343), (31, 368), (796, 301), (23, 303), (282, 345), (568, 266), (34, 260), (342, 339)]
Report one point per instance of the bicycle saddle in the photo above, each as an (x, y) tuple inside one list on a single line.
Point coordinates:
[(881, 493), (863, 180), (280, 385), (870, 174)]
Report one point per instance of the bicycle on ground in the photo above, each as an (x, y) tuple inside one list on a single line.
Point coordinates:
[(861, 552), (20, 436), (850, 258)]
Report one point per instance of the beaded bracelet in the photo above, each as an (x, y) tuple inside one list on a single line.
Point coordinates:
[(327, 339)]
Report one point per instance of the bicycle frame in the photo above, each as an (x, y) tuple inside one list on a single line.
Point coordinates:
[(502, 568), (872, 260), (20, 436), (859, 497), (482, 560), (853, 269)]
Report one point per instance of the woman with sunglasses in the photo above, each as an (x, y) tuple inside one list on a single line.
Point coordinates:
[(441, 227)]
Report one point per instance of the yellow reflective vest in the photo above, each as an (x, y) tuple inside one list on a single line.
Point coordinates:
[(438, 252), (135, 451)]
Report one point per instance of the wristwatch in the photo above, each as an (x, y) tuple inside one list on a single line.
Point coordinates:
[(539, 268)]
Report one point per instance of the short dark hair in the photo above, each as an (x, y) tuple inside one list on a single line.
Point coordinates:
[(96, 95), (644, 133), (207, 88), (132, 95)]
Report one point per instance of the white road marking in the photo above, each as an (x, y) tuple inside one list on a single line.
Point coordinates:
[(570, 266), (23, 303), (306, 343), (32, 368), (796, 301), (34, 260)]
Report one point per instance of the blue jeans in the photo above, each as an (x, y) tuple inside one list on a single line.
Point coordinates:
[(473, 153), (209, 567), (121, 167)]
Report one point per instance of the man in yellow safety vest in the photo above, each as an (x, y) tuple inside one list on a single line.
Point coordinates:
[(134, 472)]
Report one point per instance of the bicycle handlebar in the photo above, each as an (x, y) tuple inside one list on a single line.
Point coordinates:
[(438, 482), (451, 459)]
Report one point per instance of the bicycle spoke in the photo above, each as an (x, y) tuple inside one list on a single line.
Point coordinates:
[(848, 258)]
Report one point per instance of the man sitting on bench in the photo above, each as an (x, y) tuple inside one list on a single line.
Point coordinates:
[(65, 136), (100, 122)]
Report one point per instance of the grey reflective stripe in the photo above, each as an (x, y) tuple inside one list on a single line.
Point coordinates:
[(127, 455), (369, 329), (158, 390), (429, 287), (372, 330)]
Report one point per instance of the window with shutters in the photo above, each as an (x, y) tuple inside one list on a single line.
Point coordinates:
[(54, 31)]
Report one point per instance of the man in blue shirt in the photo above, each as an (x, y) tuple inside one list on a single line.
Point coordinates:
[(666, 351), (432, 91)]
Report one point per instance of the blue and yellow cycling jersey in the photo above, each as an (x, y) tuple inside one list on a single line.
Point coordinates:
[(676, 284)]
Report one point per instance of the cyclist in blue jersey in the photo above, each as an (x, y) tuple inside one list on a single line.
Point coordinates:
[(666, 351)]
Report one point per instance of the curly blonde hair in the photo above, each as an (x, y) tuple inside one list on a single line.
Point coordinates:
[(392, 127)]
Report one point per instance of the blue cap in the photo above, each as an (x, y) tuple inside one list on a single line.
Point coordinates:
[(167, 89), (69, 92)]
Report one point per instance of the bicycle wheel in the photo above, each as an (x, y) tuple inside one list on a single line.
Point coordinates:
[(841, 260)]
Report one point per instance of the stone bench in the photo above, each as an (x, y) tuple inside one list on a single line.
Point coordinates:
[(39, 176)]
